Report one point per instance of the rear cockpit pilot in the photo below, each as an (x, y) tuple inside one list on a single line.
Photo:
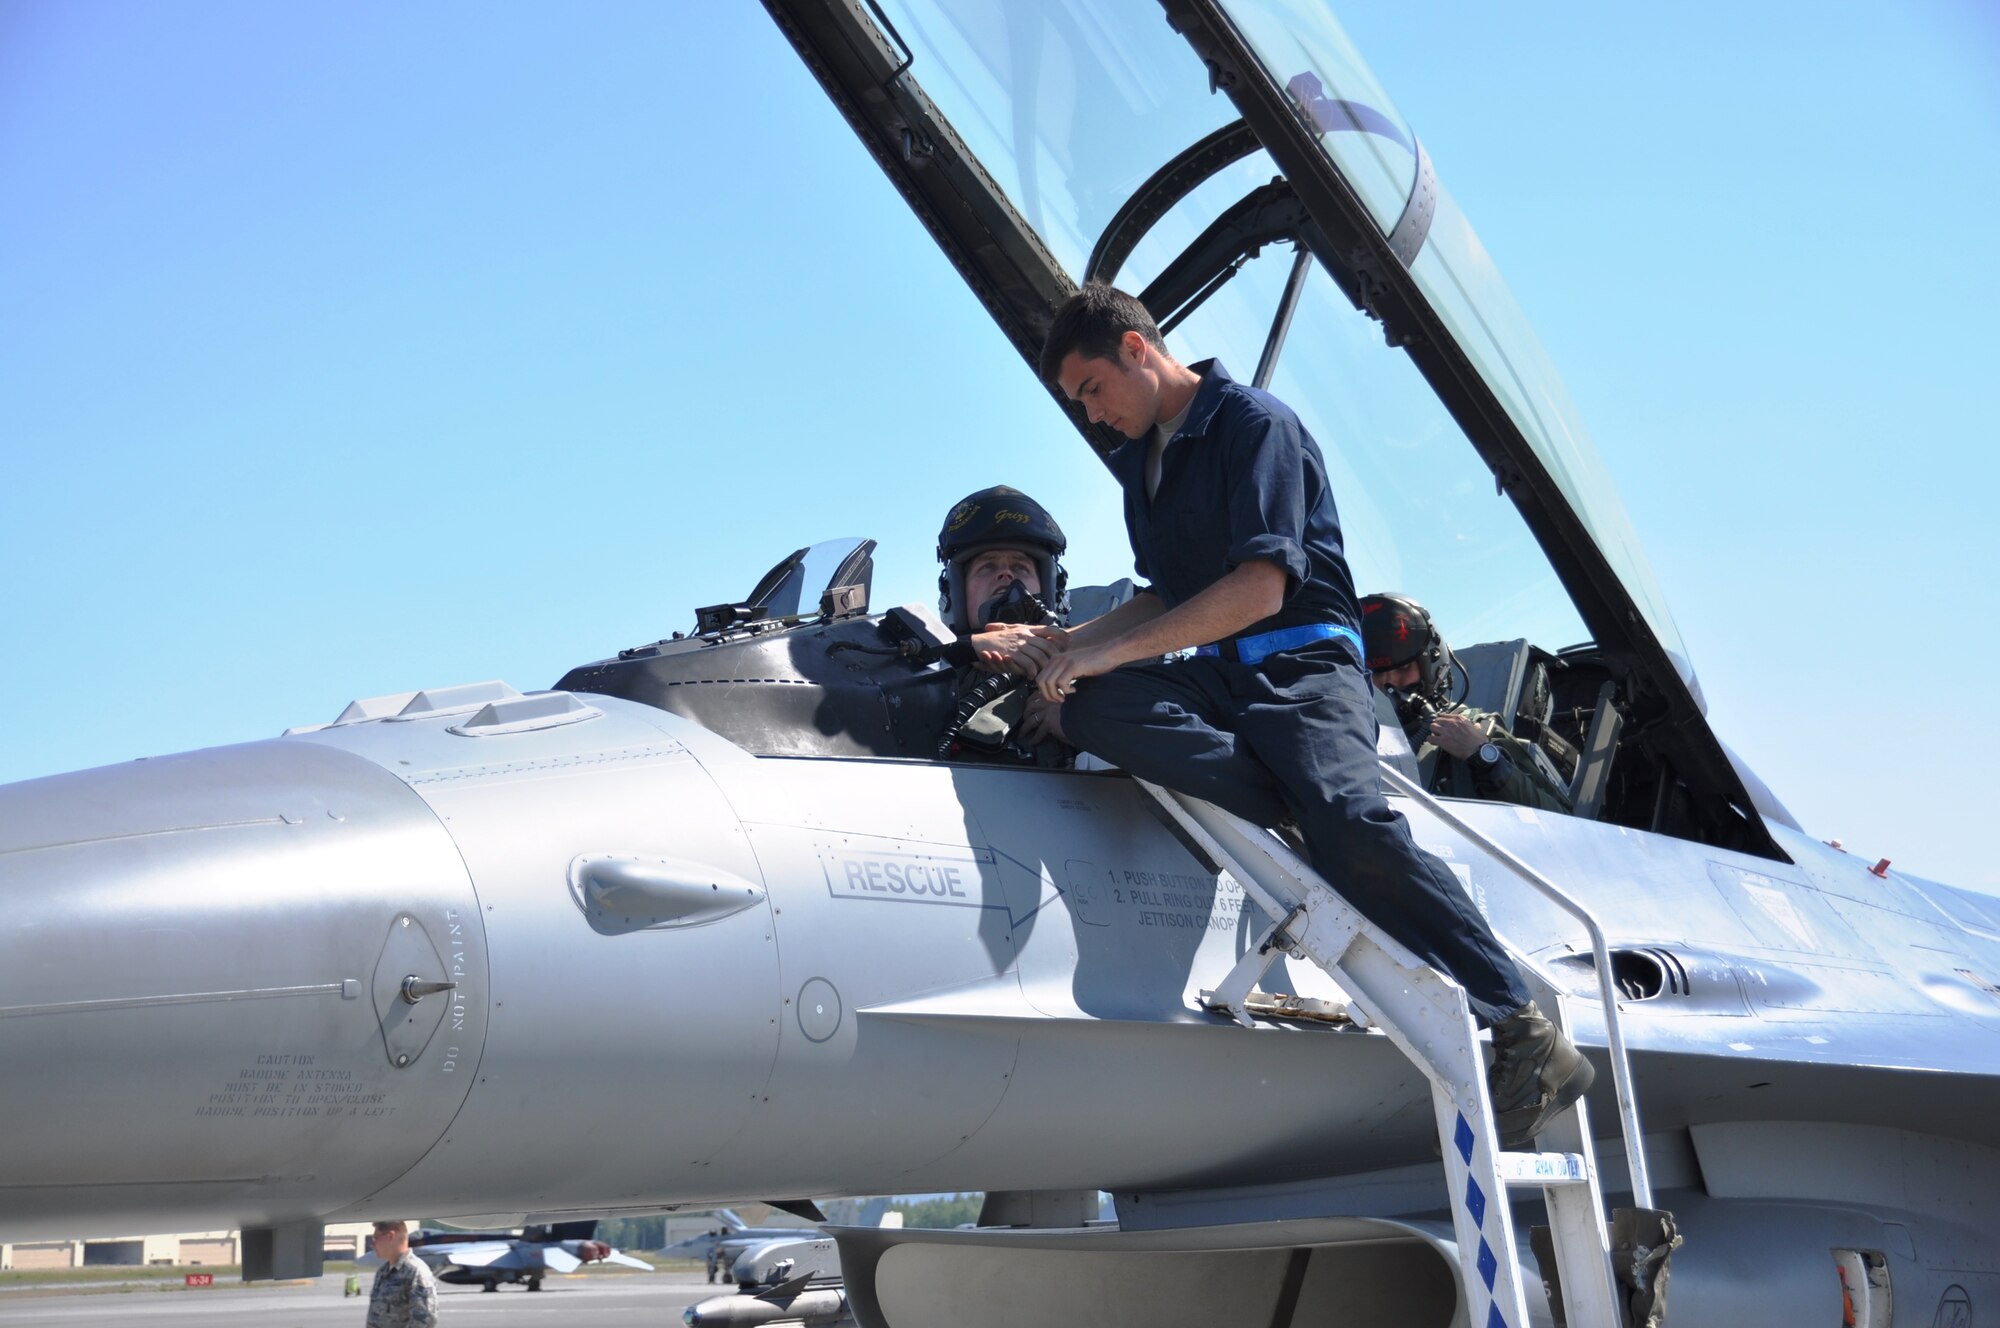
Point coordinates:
[(1461, 752)]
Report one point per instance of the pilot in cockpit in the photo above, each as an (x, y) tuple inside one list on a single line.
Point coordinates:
[(1462, 752), (1002, 576)]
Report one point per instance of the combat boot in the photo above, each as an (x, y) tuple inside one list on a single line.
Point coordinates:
[(1537, 1073)]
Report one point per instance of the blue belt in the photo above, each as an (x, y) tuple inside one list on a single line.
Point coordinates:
[(1254, 649)]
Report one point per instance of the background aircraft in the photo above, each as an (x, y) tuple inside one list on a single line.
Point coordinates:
[(792, 1277), (733, 1235), (486, 1258)]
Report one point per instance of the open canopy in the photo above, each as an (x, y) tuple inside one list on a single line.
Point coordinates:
[(1237, 166)]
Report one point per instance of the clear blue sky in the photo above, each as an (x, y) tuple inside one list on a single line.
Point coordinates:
[(348, 349)]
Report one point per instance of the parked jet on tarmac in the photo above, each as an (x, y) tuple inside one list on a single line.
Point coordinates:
[(486, 1258), (733, 1235), (345, 962)]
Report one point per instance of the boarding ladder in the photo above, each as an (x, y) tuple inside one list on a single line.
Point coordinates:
[(1425, 1014)]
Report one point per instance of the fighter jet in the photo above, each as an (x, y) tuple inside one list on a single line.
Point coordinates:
[(335, 973), (778, 1281), (733, 1235), (781, 1279), (488, 1258)]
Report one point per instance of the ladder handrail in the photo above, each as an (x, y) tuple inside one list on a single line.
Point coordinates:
[(1621, 1066), (1406, 998)]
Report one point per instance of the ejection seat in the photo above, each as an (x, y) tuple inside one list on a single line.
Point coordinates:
[(1511, 679)]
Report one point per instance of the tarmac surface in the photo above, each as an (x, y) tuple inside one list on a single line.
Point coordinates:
[(637, 1300)]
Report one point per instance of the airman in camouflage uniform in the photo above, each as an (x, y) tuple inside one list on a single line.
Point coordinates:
[(404, 1294)]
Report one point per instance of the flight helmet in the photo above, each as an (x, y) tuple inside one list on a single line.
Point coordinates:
[(999, 518), (1396, 630)]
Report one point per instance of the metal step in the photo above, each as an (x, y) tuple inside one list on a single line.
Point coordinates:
[(1426, 1015), (1542, 1168)]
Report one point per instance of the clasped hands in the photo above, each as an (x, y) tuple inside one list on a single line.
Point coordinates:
[(1043, 654)]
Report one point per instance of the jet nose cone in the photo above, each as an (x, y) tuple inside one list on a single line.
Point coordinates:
[(188, 959)]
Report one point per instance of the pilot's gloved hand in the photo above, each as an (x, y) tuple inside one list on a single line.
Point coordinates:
[(1014, 648), (1456, 735)]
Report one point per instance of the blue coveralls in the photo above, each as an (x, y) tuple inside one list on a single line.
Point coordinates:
[(1244, 480)]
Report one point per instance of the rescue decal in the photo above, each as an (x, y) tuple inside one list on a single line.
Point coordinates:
[(952, 877)]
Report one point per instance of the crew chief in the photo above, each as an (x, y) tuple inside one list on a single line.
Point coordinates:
[(1231, 518)]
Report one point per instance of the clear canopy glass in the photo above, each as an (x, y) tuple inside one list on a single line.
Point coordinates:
[(1072, 106)]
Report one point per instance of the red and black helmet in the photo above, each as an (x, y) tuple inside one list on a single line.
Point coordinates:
[(1396, 630)]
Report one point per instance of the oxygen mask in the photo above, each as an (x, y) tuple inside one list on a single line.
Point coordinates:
[(1014, 604), (1414, 712)]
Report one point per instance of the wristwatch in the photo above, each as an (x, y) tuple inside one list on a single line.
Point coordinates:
[(1488, 757)]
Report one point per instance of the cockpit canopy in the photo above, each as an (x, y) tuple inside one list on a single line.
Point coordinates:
[(1236, 163)]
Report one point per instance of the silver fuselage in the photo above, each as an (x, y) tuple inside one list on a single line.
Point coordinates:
[(942, 978)]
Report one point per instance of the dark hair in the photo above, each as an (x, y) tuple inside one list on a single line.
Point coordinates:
[(1092, 322)]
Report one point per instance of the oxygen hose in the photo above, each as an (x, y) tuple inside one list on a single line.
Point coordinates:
[(986, 690), (1015, 604)]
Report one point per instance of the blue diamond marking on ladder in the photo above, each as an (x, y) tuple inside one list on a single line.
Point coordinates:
[(1475, 1202), (1488, 1265), (1463, 1138), (1495, 1319)]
